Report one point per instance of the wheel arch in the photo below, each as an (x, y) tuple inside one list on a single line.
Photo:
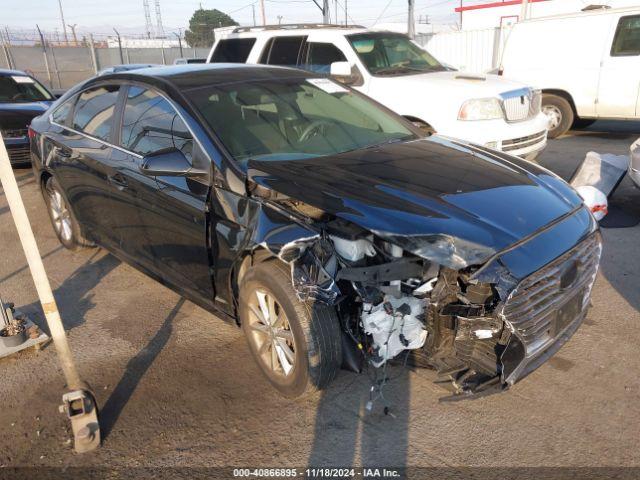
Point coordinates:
[(563, 94)]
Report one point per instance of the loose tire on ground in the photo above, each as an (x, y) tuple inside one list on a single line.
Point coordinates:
[(63, 221), (559, 112), (310, 332)]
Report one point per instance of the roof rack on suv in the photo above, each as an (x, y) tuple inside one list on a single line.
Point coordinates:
[(293, 26)]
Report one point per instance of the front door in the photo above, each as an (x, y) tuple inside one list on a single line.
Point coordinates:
[(619, 84), (172, 210)]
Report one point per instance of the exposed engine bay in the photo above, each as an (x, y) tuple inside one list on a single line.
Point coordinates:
[(394, 303)]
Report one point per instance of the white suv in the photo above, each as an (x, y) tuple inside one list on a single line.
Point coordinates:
[(484, 109)]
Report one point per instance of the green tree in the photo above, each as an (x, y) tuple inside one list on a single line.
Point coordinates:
[(201, 25)]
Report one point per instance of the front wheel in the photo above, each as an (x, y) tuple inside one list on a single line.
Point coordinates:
[(297, 345), (559, 113)]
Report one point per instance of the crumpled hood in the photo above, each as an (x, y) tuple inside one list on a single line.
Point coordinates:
[(439, 199), (19, 115)]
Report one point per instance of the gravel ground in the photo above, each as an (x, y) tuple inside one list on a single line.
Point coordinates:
[(177, 387)]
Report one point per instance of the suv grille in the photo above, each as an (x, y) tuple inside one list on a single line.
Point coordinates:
[(542, 306), (14, 133), (522, 104), (19, 155)]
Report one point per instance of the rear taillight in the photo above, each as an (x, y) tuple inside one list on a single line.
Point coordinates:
[(31, 133)]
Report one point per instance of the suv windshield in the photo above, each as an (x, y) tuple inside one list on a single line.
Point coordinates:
[(21, 88), (294, 118), (387, 53)]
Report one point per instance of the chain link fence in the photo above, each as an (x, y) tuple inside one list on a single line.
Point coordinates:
[(60, 64)]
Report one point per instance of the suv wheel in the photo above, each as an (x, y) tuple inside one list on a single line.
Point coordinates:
[(559, 113), (64, 223), (297, 345)]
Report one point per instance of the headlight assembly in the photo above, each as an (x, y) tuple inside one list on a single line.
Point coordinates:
[(481, 109)]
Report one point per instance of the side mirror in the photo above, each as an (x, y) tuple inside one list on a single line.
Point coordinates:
[(347, 74), (169, 163)]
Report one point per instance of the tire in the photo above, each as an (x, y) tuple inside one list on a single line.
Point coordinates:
[(559, 112), (583, 122), (63, 221), (311, 332)]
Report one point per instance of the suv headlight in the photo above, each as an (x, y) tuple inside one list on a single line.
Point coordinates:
[(481, 109)]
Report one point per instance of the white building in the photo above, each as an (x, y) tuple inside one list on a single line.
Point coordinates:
[(477, 15)]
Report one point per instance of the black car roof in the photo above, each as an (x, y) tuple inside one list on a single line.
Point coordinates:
[(5, 73), (199, 75)]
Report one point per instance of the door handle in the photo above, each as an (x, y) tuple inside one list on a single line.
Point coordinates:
[(63, 153), (119, 181)]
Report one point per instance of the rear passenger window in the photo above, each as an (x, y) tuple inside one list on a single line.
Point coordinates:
[(150, 124), (61, 114), (322, 55), (234, 50), (283, 51), (93, 114), (627, 39)]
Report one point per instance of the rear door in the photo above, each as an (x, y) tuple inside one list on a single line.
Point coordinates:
[(619, 84), (172, 210), (232, 50), (81, 150), (285, 51)]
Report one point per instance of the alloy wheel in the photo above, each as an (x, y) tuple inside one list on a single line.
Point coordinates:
[(271, 333), (554, 115), (60, 214)]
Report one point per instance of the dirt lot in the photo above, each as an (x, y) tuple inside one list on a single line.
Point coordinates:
[(177, 387)]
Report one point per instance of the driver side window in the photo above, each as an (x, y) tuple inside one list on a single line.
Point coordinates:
[(150, 124), (320, 56)]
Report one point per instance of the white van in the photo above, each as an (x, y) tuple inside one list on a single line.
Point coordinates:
[(484, 109), (587, 65)]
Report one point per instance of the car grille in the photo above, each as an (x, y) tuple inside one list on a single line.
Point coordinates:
[(523, 142), (521, 105), (14, 133), (19, 155), (534, 308)]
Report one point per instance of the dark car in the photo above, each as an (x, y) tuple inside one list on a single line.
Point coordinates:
[(22, 97), (331, 229)]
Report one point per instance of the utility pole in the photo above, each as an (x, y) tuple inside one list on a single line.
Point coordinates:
[(325, 11), (280, 17), (346, 21), (179, 41), (73, 32), (411, 23), (44, 54), (253, 13), (524, 10), (460, 14), (264, 16), (119, 46), (335, 8), (64, 25)]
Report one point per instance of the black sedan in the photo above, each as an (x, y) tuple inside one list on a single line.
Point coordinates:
[(333, 231), (22, 97)]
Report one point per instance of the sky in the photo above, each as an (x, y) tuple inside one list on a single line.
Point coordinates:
[(100, 16)]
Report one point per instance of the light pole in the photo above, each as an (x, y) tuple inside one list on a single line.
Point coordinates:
[(64, 25), (73, 32), (411, 23), (179, 42)]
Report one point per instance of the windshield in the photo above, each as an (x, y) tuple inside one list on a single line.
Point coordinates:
[(392, 54), (20, 89), (294, 119)]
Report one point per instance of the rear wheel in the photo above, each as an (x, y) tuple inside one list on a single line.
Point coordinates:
[(296, 345), (559, 113), (64, 223)]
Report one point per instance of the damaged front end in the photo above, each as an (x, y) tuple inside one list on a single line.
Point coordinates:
[(479, 327)]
